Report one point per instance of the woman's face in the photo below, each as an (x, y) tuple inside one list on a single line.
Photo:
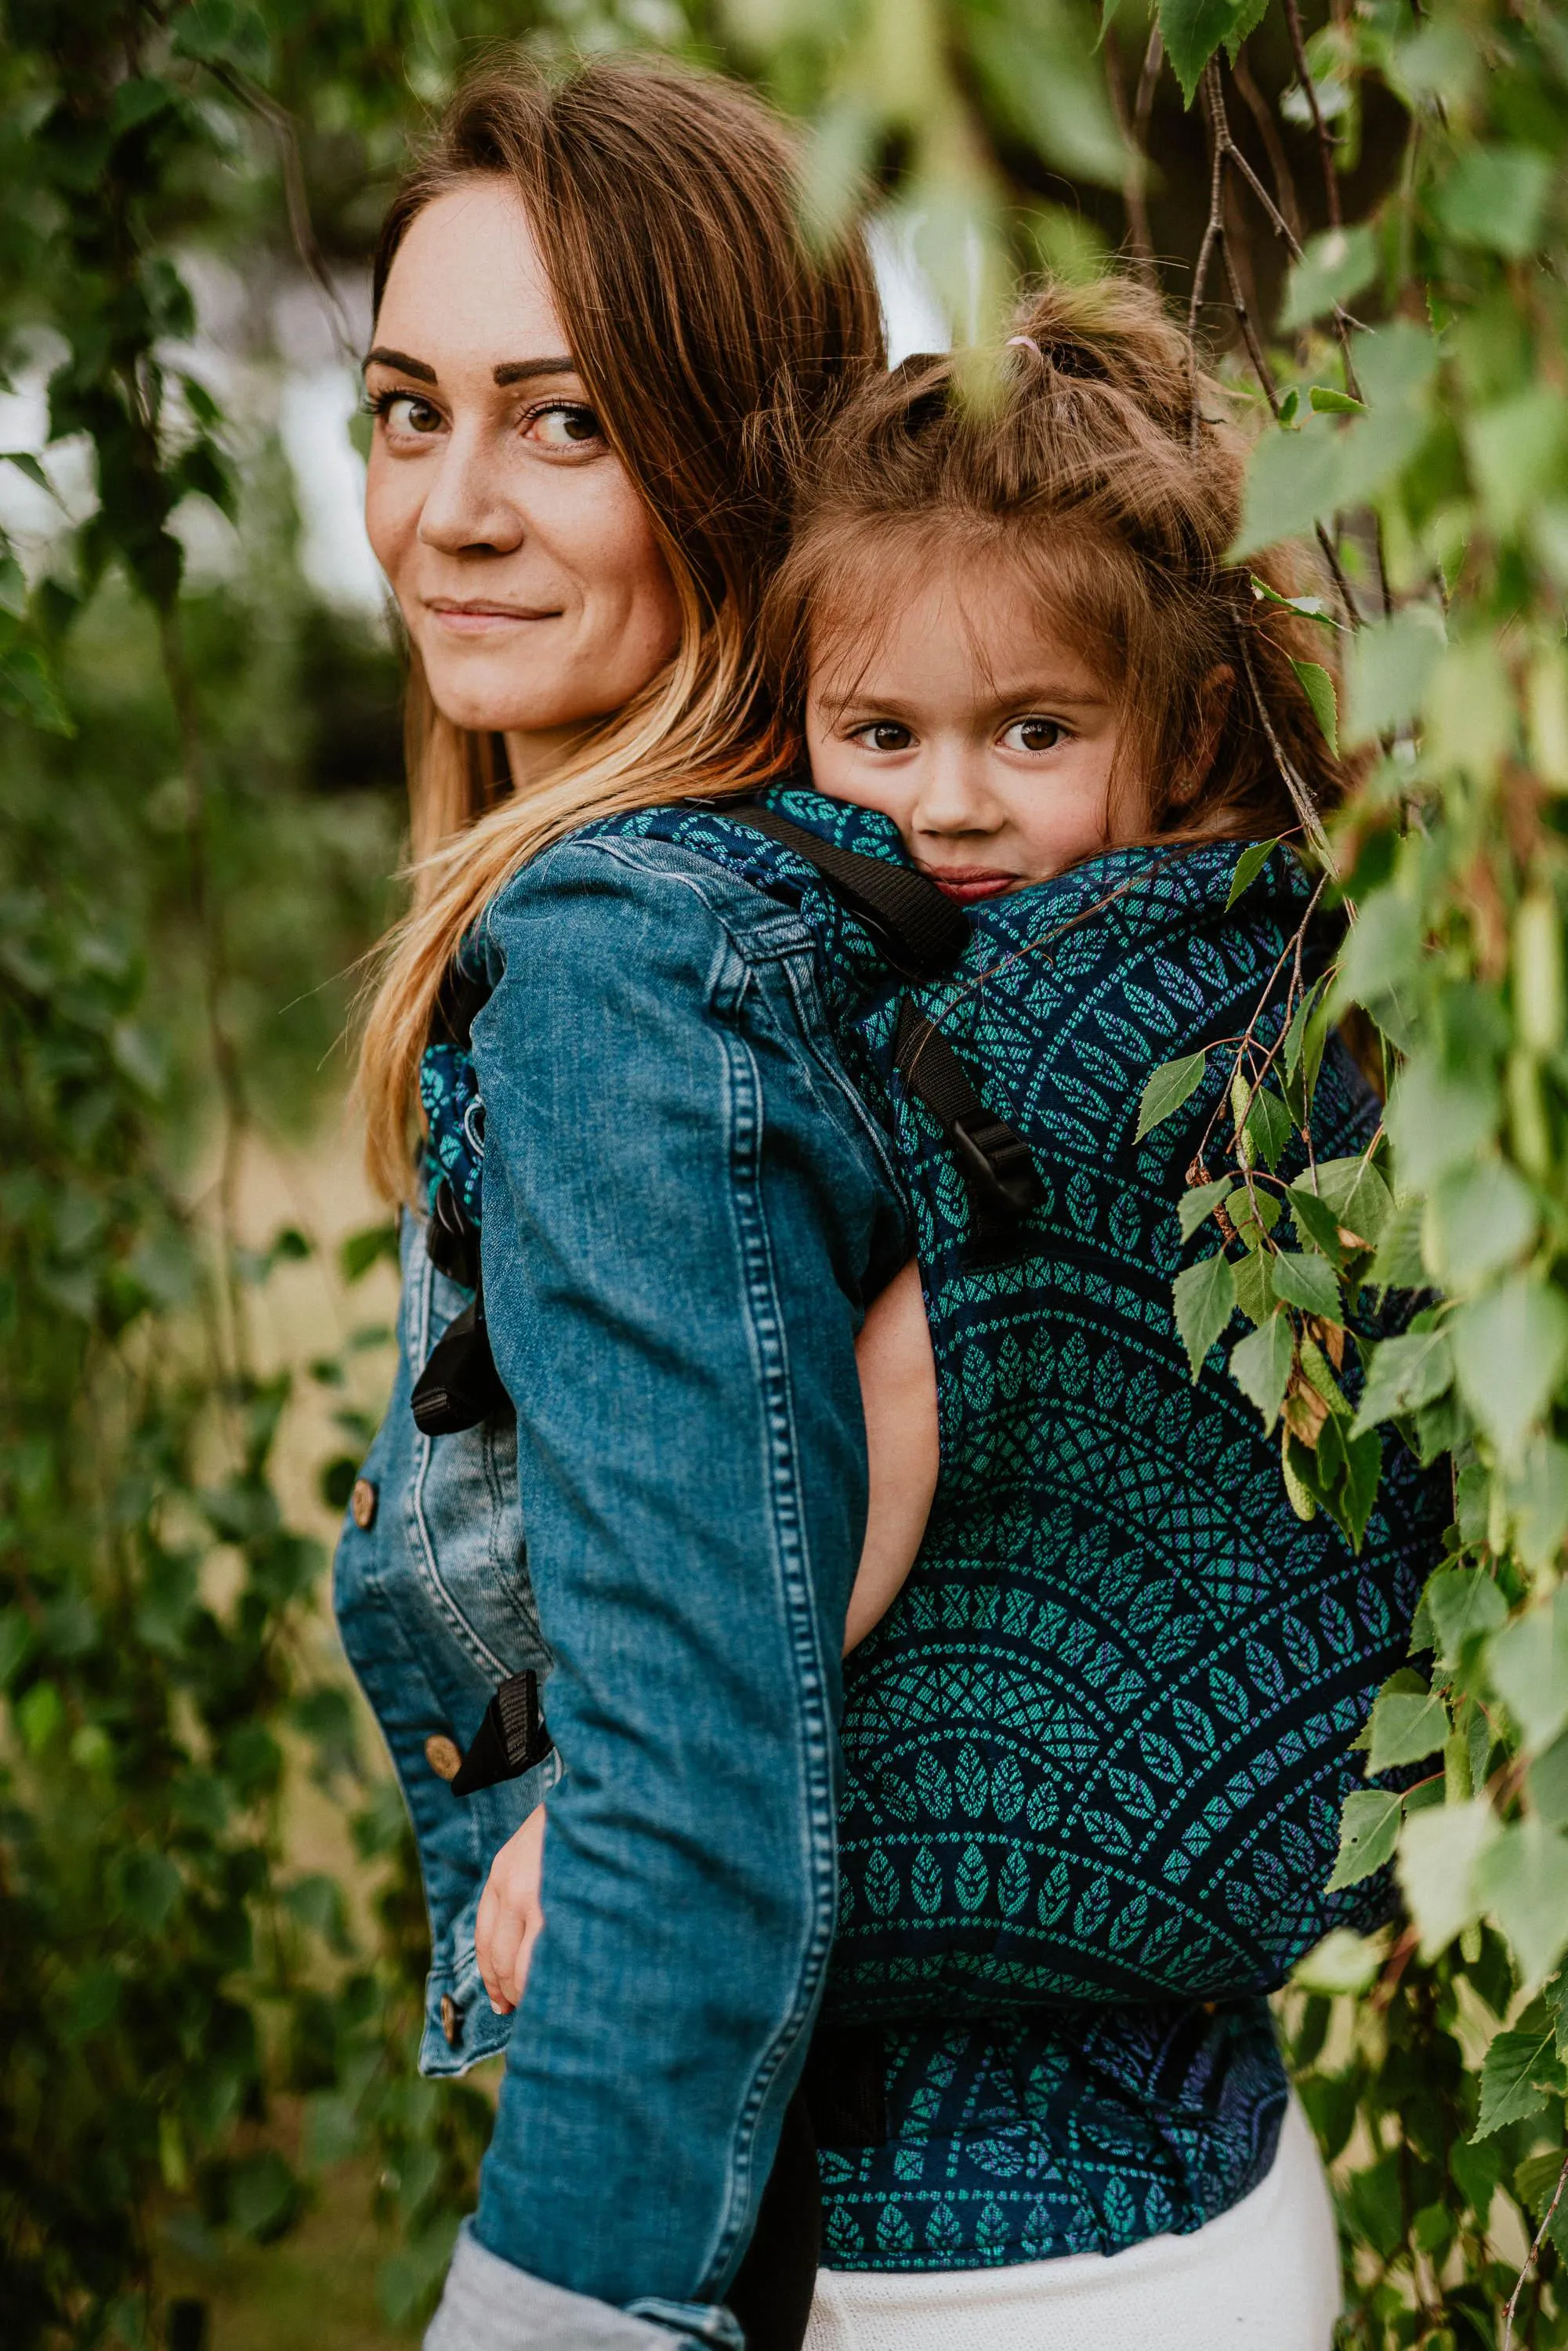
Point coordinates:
[(523, 560)]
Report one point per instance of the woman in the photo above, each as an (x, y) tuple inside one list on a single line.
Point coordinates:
[(584, 302)]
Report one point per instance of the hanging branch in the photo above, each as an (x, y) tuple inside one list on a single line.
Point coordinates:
[(1326, 139), (1133, 129), (1529, 2258), (1262, 114), (296, 197)]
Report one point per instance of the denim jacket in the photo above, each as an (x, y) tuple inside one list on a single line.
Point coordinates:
[(686, 1207)]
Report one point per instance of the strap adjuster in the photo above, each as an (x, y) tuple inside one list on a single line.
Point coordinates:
[(995, 1160)]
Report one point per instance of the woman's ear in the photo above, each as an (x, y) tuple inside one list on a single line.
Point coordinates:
[(1213, 709)]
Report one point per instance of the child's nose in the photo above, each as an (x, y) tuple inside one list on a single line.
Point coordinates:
[(953, 793)]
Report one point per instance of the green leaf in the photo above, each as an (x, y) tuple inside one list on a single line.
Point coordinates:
[(1332, 270), (1546, 1784), (1523, 1880), (148, 1885), (1318, 686), (1253, 1214), (1342, 1961), (1309, 1282), (1382, 952), (1438, 1122), (1369, 1831), (1495, 197), (1194, 1207), (363, 1250), (1166, 1090), (1528, 1661), (1404, 1373), (1329, 403), (26, 463), (1192, 31), (1389, 667), (1292, 482), (1516, 450), (1481, 1217), (1269, 1127), (1398, 1264), (1358, 1196), (1316, 1222), (1537, 1497), (1509, 1349), (1248, 866), (1204, 1303), (1409, 1723), (1254, 1285), (1437, 1854), (1261, 1365), (1519, 2072), (223, 31), (1458, 1605)]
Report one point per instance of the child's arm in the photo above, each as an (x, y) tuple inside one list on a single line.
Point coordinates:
[(898, 1396)]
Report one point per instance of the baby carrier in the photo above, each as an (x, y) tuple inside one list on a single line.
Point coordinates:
[(1098, 1746), (1096, 1753)]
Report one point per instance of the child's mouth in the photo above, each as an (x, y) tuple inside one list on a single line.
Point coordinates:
[(968, 883)]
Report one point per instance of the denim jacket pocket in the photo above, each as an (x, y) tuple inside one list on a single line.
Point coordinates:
[(463, 1521)]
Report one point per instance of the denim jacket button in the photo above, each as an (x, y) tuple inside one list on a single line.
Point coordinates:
[(362, 1504), (450, 2022), (443, 1755)]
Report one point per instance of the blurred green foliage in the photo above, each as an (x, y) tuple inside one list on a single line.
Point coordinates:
[(199, 813)]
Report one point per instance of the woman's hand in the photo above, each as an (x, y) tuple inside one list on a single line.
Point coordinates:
[(509, 1916)]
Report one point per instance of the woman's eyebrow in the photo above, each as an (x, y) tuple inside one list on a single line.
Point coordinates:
[(401, 362), (524, 371)]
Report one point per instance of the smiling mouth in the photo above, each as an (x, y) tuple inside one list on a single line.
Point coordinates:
[(477, 618), (969, 884)]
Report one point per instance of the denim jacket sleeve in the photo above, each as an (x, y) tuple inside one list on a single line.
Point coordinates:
[(685, 1206)]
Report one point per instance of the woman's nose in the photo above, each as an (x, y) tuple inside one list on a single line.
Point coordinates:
[(468, 507)]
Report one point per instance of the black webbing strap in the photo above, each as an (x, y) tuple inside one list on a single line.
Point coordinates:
[(509, 1741), (923, 933), (1003, 1181), (917, 926)]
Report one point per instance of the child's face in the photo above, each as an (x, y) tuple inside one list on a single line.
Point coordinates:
[(996, 771)]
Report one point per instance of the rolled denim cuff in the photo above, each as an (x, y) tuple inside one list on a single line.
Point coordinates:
[(489, 2305)]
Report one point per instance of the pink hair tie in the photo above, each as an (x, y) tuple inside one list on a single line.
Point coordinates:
[(1024, 343)]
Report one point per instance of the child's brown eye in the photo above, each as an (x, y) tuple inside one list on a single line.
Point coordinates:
[(1032, 735), (885, 735)]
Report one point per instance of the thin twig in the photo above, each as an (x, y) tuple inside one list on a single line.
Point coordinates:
[(1262, 114), (297, 201), (1213, 234), (1326, 139), (1301, 799), (1135, 191), (1529, 2258)]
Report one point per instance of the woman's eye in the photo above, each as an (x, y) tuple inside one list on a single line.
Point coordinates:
[(884, 734), (1033, 735), (404, 411), (565, 425)]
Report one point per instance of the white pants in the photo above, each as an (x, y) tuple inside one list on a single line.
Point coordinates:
[(1263, 2277)]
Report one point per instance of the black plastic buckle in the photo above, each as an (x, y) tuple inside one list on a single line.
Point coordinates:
[(995, 1160)]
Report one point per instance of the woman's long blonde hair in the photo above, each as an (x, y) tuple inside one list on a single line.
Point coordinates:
[(667, 209)]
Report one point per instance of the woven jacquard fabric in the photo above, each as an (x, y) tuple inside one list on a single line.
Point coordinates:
[(1096, 1753)]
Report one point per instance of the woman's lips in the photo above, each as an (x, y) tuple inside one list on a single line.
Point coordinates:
[(480, 620), (969, 884)]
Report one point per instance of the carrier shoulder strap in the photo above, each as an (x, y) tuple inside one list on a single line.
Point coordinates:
[(919, 928), (923, 933)]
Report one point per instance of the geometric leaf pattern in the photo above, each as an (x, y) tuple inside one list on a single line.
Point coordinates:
[(1095, 1753)]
